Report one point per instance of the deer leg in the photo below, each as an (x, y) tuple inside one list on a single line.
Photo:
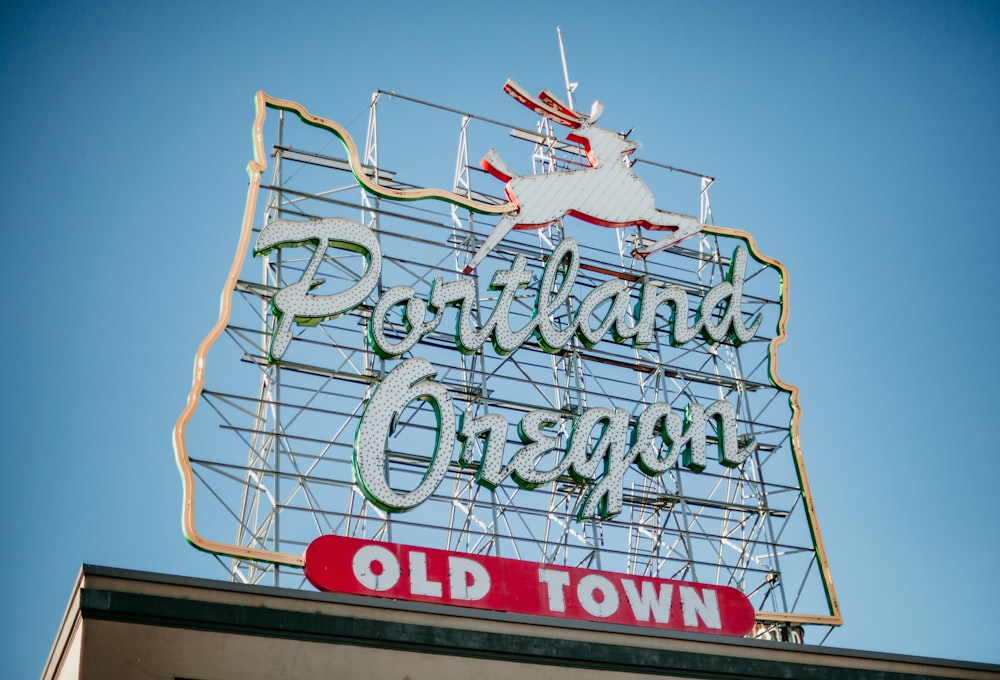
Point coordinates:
[(687, 226), (499, 233)]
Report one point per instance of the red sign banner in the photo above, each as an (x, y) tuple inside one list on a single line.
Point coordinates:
[(360, 567)]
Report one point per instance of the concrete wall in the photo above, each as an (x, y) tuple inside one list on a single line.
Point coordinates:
[(122, 624)]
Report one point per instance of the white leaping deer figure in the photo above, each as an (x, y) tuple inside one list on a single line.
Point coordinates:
[(608, 193)]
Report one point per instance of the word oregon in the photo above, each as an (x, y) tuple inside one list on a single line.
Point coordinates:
[(411, 381), (296, 302)]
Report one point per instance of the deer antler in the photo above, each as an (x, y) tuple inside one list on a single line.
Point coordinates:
[(561, 115), (552, 101)]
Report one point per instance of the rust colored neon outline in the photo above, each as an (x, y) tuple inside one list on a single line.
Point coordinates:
[(255, 170), (835, 618)]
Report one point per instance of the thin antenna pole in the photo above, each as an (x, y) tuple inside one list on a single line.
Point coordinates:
[(569, 86)]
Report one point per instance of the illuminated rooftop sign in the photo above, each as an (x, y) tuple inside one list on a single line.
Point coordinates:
[(373, 568), (540, 376)]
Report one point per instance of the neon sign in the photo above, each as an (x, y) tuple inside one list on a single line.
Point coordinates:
[(349, 565), (498, 382), (718, 318)]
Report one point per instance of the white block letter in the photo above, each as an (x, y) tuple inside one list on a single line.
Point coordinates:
[(648, 601), (706, 606), (419, 585), (555, 582), (609, 596), (467, 579), (383, 577)]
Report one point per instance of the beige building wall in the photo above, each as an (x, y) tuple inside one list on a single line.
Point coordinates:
[(122, 624)]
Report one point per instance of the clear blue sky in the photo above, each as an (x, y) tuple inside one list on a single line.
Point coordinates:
[(859, 142)]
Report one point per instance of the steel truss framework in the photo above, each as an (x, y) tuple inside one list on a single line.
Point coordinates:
[(268, 455)]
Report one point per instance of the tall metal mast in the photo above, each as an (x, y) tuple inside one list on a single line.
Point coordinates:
[(570, 87)]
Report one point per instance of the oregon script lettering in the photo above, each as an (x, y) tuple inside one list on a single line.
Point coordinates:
[(601, 465)]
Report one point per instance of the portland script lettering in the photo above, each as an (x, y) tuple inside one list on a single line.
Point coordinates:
[(600, 466)]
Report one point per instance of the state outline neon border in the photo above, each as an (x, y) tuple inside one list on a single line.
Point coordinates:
[(255, 169)]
